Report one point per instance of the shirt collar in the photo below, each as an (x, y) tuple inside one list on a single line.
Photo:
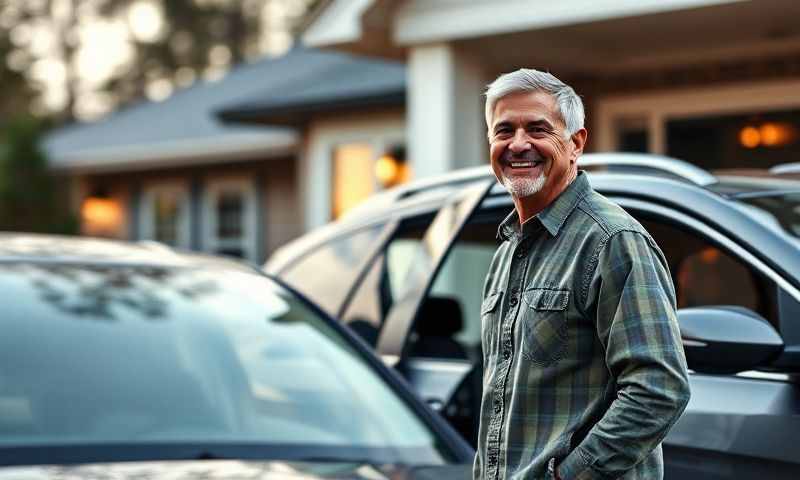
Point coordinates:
[(552, 217)]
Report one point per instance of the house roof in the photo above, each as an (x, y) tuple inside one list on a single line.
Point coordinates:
[(354, 83), (183, 129)]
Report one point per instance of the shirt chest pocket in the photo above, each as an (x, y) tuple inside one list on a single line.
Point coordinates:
[(544, 327), (490, 312)]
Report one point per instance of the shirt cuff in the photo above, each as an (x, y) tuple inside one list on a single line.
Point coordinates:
[(577, 466)]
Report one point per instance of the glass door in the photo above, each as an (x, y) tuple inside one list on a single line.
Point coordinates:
[(164, 216), (232, 222)]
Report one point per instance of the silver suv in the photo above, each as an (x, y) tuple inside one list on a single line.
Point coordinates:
[(405, 271)]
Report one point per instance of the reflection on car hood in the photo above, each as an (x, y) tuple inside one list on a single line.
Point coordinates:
[(233, 469)]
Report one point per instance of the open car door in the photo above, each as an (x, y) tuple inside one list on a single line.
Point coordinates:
[(437, 380)]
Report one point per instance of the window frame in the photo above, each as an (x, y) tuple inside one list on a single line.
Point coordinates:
[(656, 109), (717, 239), (483, 216), (248, 242), (362, 267), (147, 217), (377, 259), (324, 136), (400, 318)]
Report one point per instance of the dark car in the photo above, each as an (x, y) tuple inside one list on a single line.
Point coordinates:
[(133, 361), (406, 271)]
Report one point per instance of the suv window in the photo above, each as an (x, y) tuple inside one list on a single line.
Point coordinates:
[(705, 275), (448, 324), (383, 281), (327, 273)]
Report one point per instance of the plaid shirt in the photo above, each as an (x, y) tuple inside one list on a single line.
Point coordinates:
[(583, 362)]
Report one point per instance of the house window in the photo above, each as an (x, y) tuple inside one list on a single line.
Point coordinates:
[(230, 208), (747, 125), (753, 140), (361, 169), (231, 220), (165, 214), (632, 135), (351, 176)]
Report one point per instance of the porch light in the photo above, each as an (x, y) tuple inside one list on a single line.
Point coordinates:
[(387, 170), (391, 168), (749, 137), (768, 134), (101, 214), (776, 134)]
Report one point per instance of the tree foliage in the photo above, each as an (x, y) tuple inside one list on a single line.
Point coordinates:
[(64, 60), (31, 199), (82, 58)]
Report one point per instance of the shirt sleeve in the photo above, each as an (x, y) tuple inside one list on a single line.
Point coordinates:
[(632, 294)]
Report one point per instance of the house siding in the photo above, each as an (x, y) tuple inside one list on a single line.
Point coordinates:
[(277, 199)]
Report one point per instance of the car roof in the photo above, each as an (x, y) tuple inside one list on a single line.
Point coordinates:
[(651, 175), (612, 162), (752, 182), (722, 182), (31, 247)]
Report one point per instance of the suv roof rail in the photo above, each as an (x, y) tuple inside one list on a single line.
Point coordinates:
[(785, 168), (647, 163), (155, 246), (461, 175)]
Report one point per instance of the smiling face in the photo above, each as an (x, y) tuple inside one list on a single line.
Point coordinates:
[(530, 152)]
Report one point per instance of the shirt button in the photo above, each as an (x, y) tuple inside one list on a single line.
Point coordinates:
[(513, 302), (506, 354), (497, 408), (521, 254)]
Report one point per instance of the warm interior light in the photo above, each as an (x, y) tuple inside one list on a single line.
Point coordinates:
[(709, 255), (101, 215), (749, 137), (352, 182), (768, 134), (387, 170), (776, 134)]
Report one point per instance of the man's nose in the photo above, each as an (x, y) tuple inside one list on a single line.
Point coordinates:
[(520, 142)]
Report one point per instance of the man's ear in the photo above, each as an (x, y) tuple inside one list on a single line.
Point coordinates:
[(578, 142)]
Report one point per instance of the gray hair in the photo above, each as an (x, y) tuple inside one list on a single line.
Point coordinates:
[(568, 102)]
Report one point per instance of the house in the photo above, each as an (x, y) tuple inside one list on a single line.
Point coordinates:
[(388, 90), (172, 172), (714, 82)]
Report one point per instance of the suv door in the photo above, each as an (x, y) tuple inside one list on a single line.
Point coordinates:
[(435, 385), (743, 426), (436, 344)]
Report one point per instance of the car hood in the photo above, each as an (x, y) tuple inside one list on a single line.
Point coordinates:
[(232, 469)]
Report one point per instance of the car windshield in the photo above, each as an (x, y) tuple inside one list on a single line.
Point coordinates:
[(152, 355)]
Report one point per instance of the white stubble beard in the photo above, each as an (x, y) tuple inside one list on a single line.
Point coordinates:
[(520, 187)]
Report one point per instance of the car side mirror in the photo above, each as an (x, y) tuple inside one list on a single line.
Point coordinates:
[(727, 339)]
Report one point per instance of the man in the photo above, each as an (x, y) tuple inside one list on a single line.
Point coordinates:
[(584, 371)]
